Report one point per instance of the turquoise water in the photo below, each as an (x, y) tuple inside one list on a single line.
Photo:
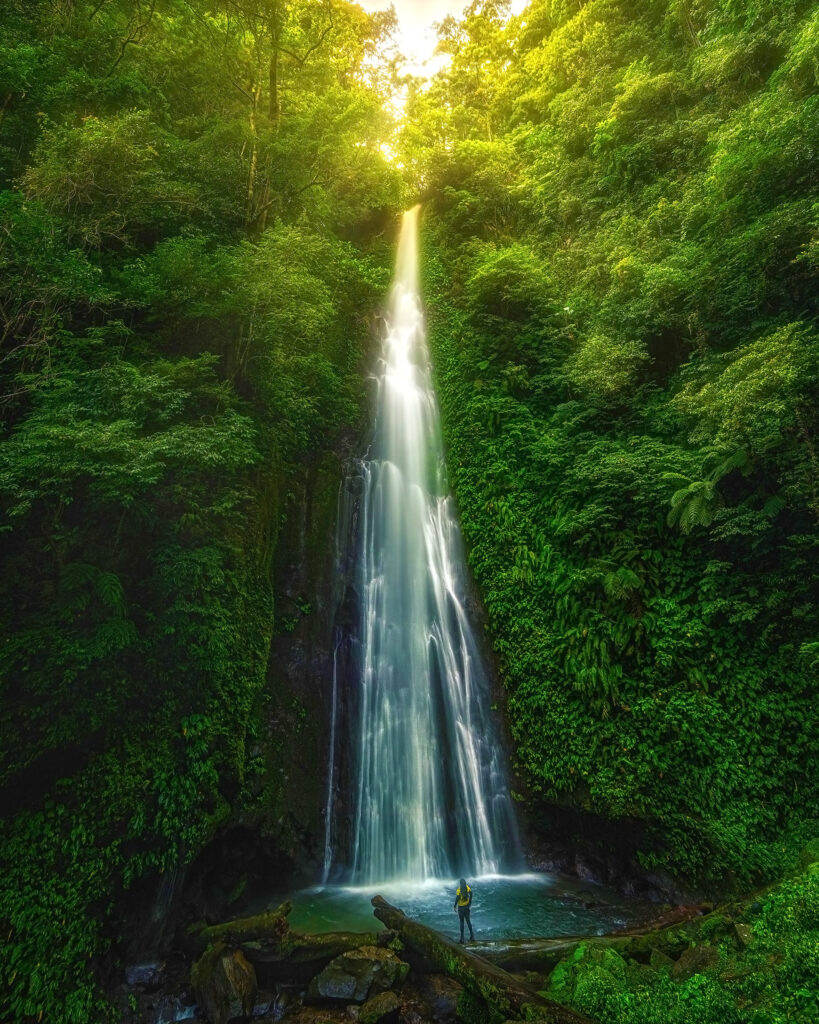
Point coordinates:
[(503, 907)]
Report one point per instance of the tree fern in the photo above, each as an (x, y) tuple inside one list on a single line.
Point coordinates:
[(697, 502), (111, 592)]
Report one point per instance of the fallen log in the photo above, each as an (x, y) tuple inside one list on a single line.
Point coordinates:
[(503, 994), (516, 955), (671, 935), (296, 948), (271, 925), (267, 941)]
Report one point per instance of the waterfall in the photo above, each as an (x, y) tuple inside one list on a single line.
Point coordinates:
[(430, 794)]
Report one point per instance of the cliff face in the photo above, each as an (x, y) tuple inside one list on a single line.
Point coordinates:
[(620, 273), (155, 700), (313, 573), (271, 836)]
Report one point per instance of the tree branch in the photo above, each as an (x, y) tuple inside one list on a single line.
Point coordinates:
[(135, 38), (303, 58)]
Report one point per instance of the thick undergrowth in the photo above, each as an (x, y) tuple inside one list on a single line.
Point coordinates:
[(188, 254), (621, 275), (750, 962), (620, 263)]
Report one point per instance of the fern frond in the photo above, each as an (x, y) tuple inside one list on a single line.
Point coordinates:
[(78, 574), (111, 592)]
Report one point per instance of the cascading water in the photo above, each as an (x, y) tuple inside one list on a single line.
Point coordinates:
[(416, 792), (430, 793)]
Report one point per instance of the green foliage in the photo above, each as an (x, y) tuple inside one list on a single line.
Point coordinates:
[(768, 977), (620, 268), (187, 263)]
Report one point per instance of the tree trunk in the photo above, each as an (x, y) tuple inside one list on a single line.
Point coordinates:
[(505, 996), (308, 949), (267, 939), (273, 924), (275, 44), (250, 209)]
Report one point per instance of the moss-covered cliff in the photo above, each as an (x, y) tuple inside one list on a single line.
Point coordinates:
[(621, 277), (188, 268)]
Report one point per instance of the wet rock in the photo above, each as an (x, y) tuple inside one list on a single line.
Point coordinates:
[(353, 976), (660, 961), (591, 869), (551, 858), (598, 851), (147, 976), (380, 1009), (438, 995), (225, 984), (694, 960), (171, 1009), (744, 934)]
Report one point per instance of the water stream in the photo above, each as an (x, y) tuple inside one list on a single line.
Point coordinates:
[(417, 793), (430, 797)]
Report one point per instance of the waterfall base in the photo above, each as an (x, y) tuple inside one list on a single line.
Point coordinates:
[(504, 907)]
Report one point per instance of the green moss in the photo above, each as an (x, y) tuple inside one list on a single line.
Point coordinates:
[(624, 340), (770, 977), (471, 1009)]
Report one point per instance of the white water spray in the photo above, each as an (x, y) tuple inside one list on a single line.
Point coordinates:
[(431, 798)]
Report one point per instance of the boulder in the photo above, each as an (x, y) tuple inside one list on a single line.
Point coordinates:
[(744, 934), (595, 990), (440, 995), (695, 960), (661, 961), (148, 976), (380, 1009), (586, 976), (225, 984), (355, 975)]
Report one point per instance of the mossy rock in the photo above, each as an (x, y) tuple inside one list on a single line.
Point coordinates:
[(381, 1009), (696, 959), (744, 934), (471, 1009), (561, 983), (660, 961), (809, 854), (713, 926), (564, 979), (356, 974), (594, 988), (224, 983)]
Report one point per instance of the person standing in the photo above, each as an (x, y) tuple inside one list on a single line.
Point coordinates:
[(463, 902)]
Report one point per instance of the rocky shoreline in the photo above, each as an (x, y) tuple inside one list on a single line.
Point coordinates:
[(258, 969)]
